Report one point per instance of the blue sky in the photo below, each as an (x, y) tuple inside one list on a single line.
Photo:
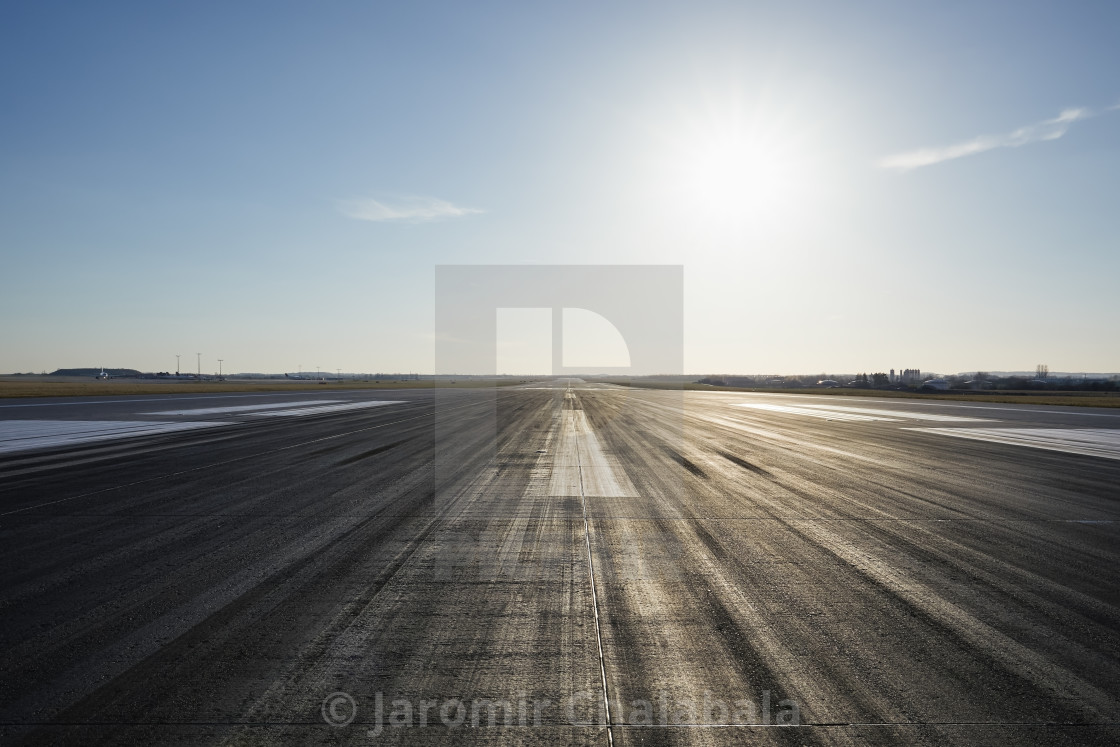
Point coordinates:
[(849, 186)]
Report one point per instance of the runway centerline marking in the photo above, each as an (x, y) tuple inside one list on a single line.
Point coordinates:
[(1100, 442), (582, 465)]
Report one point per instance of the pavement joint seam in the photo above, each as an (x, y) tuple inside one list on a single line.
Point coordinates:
[(594, 596)]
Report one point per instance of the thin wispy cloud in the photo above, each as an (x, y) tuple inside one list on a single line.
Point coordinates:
[(1050, 129), (403, 210)]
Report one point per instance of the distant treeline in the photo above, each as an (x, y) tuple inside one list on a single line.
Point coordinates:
[(969, 382)]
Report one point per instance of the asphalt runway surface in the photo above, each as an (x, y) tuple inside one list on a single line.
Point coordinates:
[(558, 564)]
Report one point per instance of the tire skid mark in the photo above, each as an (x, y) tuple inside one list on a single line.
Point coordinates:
[(214, 629), (468, 657), (951, 620), (885, 491), (139, 552), (684, 461), (744, 463), (755, 654), (385, 512), (994, 584), (938, 483), (167, 503), (986, 642), (372, 452)]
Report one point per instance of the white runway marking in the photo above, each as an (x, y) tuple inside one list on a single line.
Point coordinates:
[(145, 399), (21, 435), (1099, 442), (245, 408), (843, 412), (326, 408), (813, 412), (1073, 409), (904, 414), (581, 467), (1030, 409)]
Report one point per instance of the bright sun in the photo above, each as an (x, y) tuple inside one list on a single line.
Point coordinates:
[(743, 174), (735, 171)]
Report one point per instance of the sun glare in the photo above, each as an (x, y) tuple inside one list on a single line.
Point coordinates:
[(742, 173), (736, 171)]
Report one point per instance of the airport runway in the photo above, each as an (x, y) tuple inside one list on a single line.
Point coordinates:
[(616, 567)]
